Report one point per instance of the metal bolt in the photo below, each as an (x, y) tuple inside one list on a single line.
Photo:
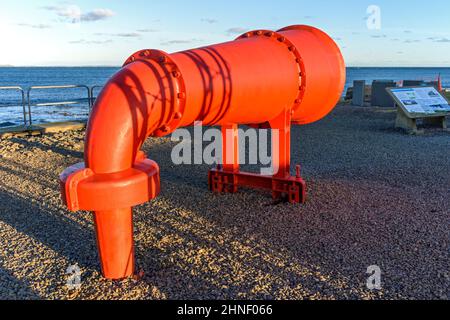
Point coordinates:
[(132, 58), (298, 171), (259, 32), (269, 34), (163, 59), (178, 116), (281, 39), (181, 95), (176, 74)]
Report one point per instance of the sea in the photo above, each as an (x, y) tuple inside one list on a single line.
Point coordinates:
[(11, 108)]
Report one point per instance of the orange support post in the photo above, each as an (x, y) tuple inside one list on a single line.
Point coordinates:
[(264, 79), (114, 231), (281, 183)]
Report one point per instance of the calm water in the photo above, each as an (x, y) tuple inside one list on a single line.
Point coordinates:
[(11, 112)]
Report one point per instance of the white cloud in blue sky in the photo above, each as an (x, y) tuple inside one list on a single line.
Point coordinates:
[(106, 32)]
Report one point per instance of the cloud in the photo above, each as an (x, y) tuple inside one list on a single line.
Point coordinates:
[(379, 36), (407, 31), (411, 41), (174, 42), (441, 40), (51, 8), (127, 35), (209, 20), (83, 41), (122, 35), (236, 30), (337, 39), (35, 26), (147, 30), (74, 14), (71, 13), (97, 15)]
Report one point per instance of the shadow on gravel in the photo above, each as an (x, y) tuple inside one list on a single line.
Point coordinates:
[(44, 147), (15, 289), (376, 198), (233, 244), (253, 252), (238, 248), (192, 244), (25, 172), (50, 227), (220, 263)]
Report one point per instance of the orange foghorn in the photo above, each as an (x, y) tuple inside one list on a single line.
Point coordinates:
[(264, 79)]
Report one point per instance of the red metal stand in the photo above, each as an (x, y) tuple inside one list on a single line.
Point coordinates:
[(228, 178)]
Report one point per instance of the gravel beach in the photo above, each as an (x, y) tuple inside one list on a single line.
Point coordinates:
[(377, 196)]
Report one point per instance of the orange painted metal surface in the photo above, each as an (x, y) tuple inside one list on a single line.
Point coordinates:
[(264, 79)]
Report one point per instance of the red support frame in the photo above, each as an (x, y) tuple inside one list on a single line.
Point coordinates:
[(228, 178)]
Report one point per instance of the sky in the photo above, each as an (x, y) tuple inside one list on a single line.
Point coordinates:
[(106, 32)]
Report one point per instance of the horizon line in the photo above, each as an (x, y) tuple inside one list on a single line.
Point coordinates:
[(119, 66)]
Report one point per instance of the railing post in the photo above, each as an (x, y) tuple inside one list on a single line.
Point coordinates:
[(93, 98), (23, 107), (20, 89), (29, 106)]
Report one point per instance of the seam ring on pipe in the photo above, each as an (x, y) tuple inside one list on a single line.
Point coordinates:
[(293, 49), (176, 77)]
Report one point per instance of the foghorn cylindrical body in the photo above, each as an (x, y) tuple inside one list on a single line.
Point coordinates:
[(252, 79), (245, 81)]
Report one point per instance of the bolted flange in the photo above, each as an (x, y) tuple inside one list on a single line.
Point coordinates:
[(293, 49), (175, 77)]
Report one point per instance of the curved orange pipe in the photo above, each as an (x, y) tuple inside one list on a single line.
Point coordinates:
[(251, 80)]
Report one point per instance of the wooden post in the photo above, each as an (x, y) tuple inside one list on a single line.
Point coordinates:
[(405, 122)]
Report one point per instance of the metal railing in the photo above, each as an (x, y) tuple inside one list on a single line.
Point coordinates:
[(16, 88), (61, 103), (93, 97)]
